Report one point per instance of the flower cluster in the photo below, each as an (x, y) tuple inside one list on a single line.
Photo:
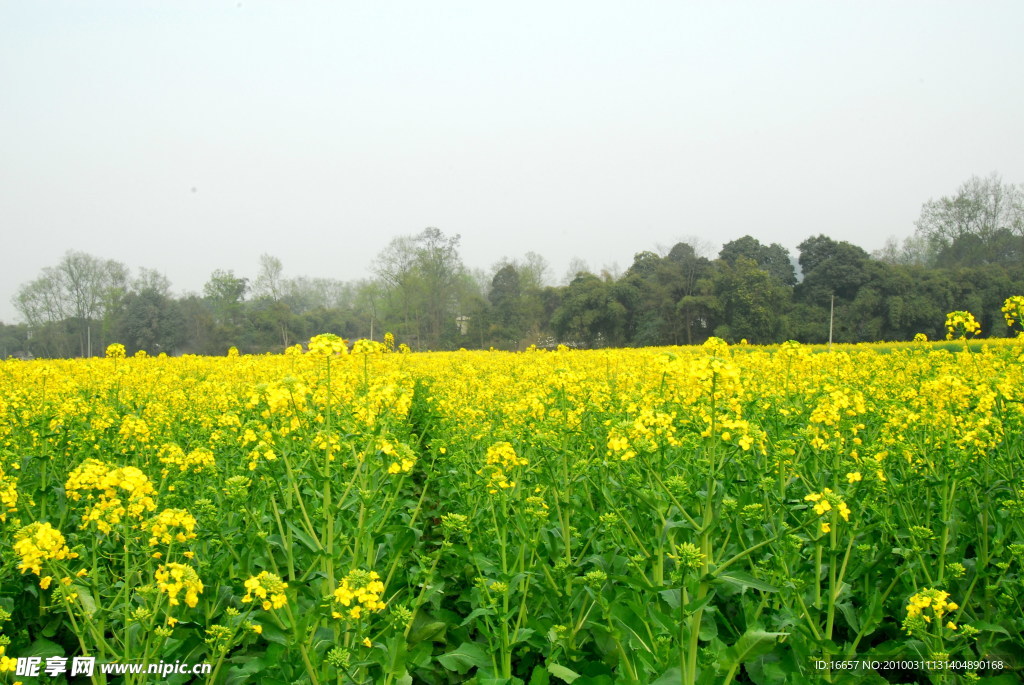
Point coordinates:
[(175, 579), (38, 542), (501, 457), (327, 344), (364, 346), (959, 324), (359, 591), (455, 525), (618, 444), (688, 556), (1013, 310), (8, 493), (267, 587), (401, 456), (114, 493), (7, 664), (171, 525), (197, 460), (825, 502), (115, 351), (926, 605), (135, 431)]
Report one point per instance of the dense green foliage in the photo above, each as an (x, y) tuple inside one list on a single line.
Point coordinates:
[(966, 255)]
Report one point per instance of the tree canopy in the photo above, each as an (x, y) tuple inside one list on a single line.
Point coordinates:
[(967, 254)]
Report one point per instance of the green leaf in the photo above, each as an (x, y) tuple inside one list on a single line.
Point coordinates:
[(395, 663), (752, 644), (1004, 679), (708, 626), (769, 670), (42, 648), (271, 633), (745, 580), (595, 680), (698, 604), (540, 676), (86, 598), (50, 629), (464, 657), (670, 677), (566, 674), (850, 614), (433, 631), (672, 597), (302, 537), (481, 611), (244, 674), (420, 655), (991, 627)]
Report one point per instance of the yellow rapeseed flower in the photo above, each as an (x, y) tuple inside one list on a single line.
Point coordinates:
[(267, 587), (176, 579), (37, 543)]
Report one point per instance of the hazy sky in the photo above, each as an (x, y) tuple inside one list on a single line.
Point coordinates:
[(191, 136)]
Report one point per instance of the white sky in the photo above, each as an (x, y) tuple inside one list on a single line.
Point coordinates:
[(317, 131)]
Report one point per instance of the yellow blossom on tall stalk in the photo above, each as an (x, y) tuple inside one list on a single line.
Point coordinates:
[(400, 456), (267, 587), (926, 606), (959, 324), (327, 344), (364, 346), (171, 525), (7, 664), (115, 351), (197, 460), (8, 494), (501, 457), (359, 591), (114, 493), (39, 542), (1013, 310), (176, 579), (825, 502), (618, 445)]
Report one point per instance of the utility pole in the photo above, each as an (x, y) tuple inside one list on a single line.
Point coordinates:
[(831, 316)]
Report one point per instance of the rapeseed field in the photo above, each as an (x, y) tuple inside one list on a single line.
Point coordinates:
[(350, 513)]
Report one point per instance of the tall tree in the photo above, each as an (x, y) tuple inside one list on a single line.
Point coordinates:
[(151, 321), (82, 291), (594, 312), (750, 301), (772, 258), (982, 223), (506, 310), (425, 280), (269, 279), (830, 268), (272, 313), (224, 295)]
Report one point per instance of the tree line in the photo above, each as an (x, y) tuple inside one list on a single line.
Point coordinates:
[(966, 254)]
